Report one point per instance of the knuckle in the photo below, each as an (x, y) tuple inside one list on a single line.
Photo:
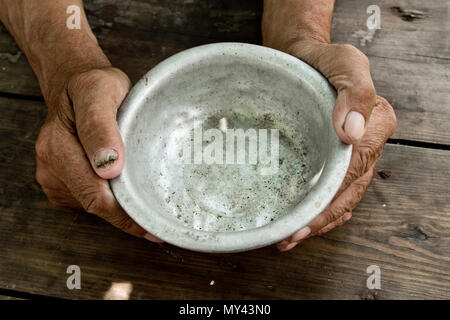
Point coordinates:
[(335, 223), (41, 178), (42, 146), (390, 119), (393, 124), (354, 172), (360, 188), (370, 150), (93, 200), (368, 154), (393, 121), (357, 167), (122, 222), (335, 214), (52, 198)]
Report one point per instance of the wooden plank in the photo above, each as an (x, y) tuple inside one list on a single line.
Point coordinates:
[(410, 59), (402, 226)]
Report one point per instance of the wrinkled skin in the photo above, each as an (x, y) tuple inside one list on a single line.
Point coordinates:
[(302, 29), (81, 119), (348, 71), (365, 154)]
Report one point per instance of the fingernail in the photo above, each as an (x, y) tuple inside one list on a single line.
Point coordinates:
[(301, 234), (288, 247), (354, 125), (104, 158), (152, 238)]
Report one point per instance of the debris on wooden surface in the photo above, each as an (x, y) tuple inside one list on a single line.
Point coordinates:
[(408, 15), (384, 173), (13, 58)]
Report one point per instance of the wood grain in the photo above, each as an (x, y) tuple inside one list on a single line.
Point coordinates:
[(402, 225), (410, 60)]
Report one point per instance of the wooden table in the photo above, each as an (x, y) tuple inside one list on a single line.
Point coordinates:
[(402, 225)]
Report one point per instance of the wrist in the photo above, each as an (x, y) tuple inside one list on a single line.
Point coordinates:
[(286, 23), (56, 61), (54, 51)]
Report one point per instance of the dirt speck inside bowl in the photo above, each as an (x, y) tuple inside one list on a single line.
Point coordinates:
[(233, 197)]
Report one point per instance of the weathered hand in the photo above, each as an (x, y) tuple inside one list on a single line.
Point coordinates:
[(365, 154), (80, 146), (360, 118), (302, 29)]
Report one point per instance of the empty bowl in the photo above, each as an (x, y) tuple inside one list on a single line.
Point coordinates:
[(229, 147)]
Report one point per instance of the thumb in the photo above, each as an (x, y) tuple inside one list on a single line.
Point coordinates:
[(96, 96), (348, 70)]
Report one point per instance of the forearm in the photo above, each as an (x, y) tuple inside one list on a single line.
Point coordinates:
[(53, 50), (286, 22)]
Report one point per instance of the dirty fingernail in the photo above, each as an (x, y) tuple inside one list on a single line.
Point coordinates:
[(301, 234), (354, 125), (104, 158), (152, 238)]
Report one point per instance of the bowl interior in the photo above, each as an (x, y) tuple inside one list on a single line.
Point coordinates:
[(224, 138)]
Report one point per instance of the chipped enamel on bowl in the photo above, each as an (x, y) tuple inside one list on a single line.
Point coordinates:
[(228, 208)]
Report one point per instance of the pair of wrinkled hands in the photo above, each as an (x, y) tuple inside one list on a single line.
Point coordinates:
[(80, 147)]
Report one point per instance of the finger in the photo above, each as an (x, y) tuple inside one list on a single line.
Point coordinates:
[(345, 203), (365, 154), (286, 246), (91, 191), (291, 242), (337, 213), (336, 223), (96, 96)]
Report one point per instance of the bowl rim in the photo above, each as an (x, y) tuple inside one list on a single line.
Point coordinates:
[(220, 242)]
